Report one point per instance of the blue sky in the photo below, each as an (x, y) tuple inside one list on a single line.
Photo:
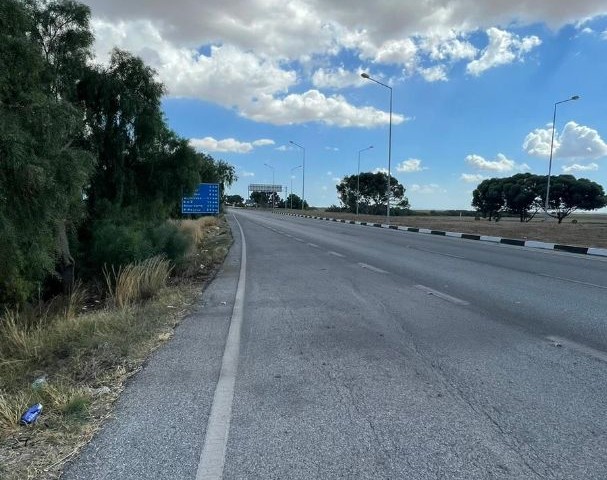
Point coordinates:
[(474, 87)]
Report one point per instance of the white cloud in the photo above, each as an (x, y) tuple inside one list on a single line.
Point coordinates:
[(254, 56), (381, 170), (399, 52), (409, 166), (448, 46), (504, 47), (262, 142), (604, 35), (338, 180), (284, 148), (579, 141), (209, 144), (430, 189), (575, 142), (297, 28), (314, 106), (252, 83), (226, 75), (500, 164), (337, 78), (244, 173), (436, 73), (591, 167), (472, 177)]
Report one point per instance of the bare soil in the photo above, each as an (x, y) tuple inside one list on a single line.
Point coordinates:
[(589, 231)]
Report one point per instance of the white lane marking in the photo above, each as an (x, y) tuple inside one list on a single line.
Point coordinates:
[(371, 267), (212, 458), (438, 253), (336, 254), (288, 236), (313, 245), (444, 296), (579, 282), (593, 352), (298, 239)]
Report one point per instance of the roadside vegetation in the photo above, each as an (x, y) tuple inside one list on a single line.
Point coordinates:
[(74, 353), (97, 264)]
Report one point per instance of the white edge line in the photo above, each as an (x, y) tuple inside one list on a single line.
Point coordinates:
[(593, 352), (212, 457), (313, 245), (442, 295), (371, 267), (337, 254), (570, 280)]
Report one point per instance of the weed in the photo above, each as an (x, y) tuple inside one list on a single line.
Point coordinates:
[(137, 281)]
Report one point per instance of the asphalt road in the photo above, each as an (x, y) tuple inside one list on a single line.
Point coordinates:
[(376, 354)]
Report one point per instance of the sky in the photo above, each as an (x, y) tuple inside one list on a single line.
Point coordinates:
[(474, 86)]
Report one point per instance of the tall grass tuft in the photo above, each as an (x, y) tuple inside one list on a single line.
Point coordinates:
[(137, 281), (18, 339), (76, 298)]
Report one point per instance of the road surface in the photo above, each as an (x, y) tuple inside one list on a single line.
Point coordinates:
[(369, 353)]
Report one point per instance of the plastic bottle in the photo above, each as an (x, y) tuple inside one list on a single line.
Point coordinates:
[(32, 414)]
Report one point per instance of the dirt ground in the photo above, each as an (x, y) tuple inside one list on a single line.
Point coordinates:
[(589, 231)]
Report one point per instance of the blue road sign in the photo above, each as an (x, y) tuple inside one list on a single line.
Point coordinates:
[(205, 200)]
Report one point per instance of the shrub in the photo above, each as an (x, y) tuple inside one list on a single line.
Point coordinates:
[(117, 245)]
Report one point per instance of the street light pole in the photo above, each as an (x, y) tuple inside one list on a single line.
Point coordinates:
[(358, 178), (294, 168), (303, 181), (389, 189), (273, 193), (575, 97)]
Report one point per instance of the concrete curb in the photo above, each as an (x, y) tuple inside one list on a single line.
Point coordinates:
[(601, 252)]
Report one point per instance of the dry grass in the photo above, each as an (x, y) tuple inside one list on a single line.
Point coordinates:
[(78, 351), (137, 281)]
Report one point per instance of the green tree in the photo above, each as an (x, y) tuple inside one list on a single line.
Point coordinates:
[(373, 194), (62, 32), (521, 195), (568, 194), (235, 200), (294, 202), (42, 167), (262, 199), (488, 198)]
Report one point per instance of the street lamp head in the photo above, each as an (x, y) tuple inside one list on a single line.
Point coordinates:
[(575, 97), (364, 75)]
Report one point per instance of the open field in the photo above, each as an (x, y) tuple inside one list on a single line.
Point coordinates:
[(589, 231)]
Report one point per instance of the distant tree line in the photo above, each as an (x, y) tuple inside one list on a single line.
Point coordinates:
[(524, 195), (89, 170), (267, 199)]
